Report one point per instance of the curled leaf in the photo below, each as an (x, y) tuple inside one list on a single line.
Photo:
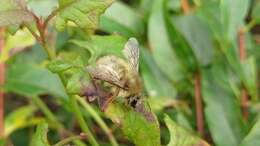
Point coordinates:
[(84, 13)]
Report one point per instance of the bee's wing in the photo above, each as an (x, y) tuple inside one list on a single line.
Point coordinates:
[(105, 73), (131, 52)]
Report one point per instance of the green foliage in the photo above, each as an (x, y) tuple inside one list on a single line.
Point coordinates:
[(253, 136), (57, 66), (222, 105), (39, 138), (102, 45), (160, 44), (30, 80), (13, 12), (84, 13), (129, 23), (175, 47), (140, 130), (256, 11), (20, 118), (181, 136), (42, 8)]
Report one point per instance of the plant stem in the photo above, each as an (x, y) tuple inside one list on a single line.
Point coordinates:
[(46, 111), (41, 26), (67, 140), (2, 79), (99, 120), (185, 6), (50, 116), (81, 120), (199, 106), (242, 55), (197, 86)]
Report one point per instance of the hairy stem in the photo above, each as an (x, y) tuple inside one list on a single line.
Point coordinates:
[(2, 79), (199, 105), (99, 120)]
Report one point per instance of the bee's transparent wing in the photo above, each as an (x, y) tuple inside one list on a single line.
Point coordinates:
[(105, 73), (131, 52)]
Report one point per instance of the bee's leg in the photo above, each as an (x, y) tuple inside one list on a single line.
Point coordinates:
[(103, 103)]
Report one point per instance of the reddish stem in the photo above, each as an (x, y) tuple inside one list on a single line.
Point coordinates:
[(2, 78), (199, 105), (242, 55), (242, 46), (185, 6), (197, 86)]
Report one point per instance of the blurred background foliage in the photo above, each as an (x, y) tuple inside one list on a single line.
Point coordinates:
[(178, 47)]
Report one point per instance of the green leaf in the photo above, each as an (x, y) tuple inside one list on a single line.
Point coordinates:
[(30, 80), (233, 15), (197, 35), (128, 23), (256, 12), (84, 13), (21, 39), (20, 118), (222, 108), (140, 128), (39, 138), (42, 8), (58, 66), (180, 136), (250, 76), (77, 82), (225, 17), (13, 12), (155, 82), (181, 47), (160, 44), (252, 138), (102, 45)]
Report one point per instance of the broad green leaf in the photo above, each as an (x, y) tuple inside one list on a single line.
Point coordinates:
[(233, 14), (224, 17), (256, 11), (20, 118), (180, 45), (84, 13), (39, 138), (140, 128), (129, 23), (77, 82), (222, 108), (250, 77), (162, 51), (197, 35), (102, 45), (13, 12), (155, 82), (58, 65), (30, 80), (180, 136), (20, 40), (42, 8), (252, 138)]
